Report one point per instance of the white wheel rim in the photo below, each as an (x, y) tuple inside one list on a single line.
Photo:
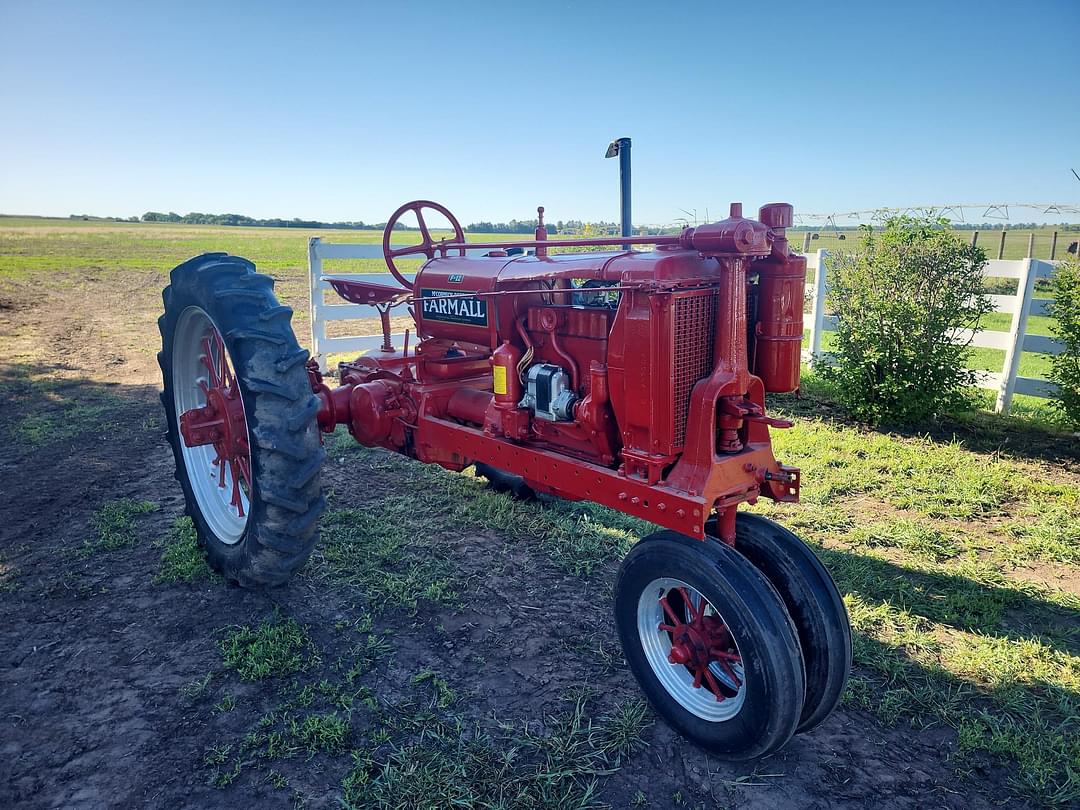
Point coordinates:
[(188, 371), (677, 679)]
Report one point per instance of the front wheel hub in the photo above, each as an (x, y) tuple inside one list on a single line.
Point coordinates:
[(691, 650)]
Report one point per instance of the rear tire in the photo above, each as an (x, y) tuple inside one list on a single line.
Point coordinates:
[(814, 604), (763, 702), (273, 533)]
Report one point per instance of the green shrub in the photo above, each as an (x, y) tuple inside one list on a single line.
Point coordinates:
[(900, 297), (1065, 367)]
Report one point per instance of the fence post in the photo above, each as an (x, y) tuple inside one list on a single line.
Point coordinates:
[(318, 327), (1017, 333), (817, 309), (806, 243), (1031, 245), (974, 238), (1053, 246), (1001, 245)]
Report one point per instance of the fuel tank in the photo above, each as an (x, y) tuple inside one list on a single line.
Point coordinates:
[(449, 307), (446, 302)]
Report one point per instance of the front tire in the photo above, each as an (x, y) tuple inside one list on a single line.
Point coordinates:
[(814, 603), (711, 644), (251, 477)]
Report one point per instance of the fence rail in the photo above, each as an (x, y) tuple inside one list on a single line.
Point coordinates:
[(322, 312), (1014, 343)]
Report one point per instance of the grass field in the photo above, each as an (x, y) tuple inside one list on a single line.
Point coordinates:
[(435, 650)]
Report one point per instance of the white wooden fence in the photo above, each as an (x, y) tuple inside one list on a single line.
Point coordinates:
[(1014, 342), (321, 312)]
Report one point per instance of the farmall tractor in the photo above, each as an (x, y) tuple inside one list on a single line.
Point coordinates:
[(633, 379)]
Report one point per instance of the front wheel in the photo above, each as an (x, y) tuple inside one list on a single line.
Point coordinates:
[(711, 644), (241, 419), (814, 603)]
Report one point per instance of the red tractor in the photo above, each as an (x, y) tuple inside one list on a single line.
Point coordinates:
[(629, 378)]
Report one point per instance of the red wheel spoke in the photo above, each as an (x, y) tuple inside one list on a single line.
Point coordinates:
[(213, 425), (245, 470), (669, 611), (714, 687), (211, 360), (694, 614), (700, 639), (211, 372), (237, 500), (724, 665), (224, 404)]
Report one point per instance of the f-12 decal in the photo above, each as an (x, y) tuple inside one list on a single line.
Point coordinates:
[(451, 306)]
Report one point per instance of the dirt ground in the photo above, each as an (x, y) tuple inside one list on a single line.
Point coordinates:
[(97, 661)]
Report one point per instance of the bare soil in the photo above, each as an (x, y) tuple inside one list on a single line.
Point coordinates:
[(95, 657)]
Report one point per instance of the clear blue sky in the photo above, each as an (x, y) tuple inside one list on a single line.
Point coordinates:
[(343, 111)]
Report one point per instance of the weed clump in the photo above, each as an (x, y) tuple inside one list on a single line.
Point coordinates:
[(114, 524), (273, 649), (183, 559)]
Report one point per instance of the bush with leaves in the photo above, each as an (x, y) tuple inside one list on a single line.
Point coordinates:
[(901, 298), (1065, 367)]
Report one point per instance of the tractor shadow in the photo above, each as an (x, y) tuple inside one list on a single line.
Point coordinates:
[(68, 444), (956, 601)]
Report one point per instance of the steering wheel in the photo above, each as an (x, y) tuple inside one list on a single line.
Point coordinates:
[(427, 247)]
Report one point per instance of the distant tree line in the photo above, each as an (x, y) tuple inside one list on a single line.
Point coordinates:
[(571, 226), (513, 226), (92, 218), (196, 218)]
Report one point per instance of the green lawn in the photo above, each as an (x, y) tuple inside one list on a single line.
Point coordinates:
[(29, 246)]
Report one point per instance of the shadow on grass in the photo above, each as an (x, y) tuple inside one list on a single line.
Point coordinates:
[(68, 444), (1032, 725), (957, 601), (979, 431), (46, 405)]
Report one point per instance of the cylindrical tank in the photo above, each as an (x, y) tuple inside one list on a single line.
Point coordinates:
[(779, 332), (505, 381)]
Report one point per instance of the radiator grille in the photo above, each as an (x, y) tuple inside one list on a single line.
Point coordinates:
[(695, 332)]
